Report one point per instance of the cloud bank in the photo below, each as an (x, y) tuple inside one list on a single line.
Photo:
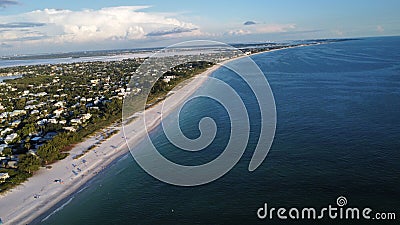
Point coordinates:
[(175, 30), (113, 23), (251, 27), (112, 27)]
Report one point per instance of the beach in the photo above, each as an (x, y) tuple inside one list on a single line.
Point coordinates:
[(47, 187)]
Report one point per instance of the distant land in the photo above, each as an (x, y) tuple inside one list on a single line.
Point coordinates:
[(114, 52)]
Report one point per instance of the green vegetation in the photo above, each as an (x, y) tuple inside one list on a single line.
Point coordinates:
[(180, 73), (75, 90)]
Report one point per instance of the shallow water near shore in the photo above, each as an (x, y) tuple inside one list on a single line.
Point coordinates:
[(337, 135)]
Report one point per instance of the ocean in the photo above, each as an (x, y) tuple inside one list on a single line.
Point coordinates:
[(337, 134)]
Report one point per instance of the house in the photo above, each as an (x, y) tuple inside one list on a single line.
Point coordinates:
[(41, 94), (53, 121), (95, 81), (13, 113), (5, 131), (42, 122), (70, 129), (12, 164), (4, 115), (86, 116), (32, 152), (2, 147), (4, 176), (17, 113), (76, 105), (58, 112), (15, 123), (167, 79), (59, 104), (76, 121), (29, 107), (10, 138), (97, 101)]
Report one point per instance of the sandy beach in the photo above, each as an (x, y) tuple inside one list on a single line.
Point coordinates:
[(49, 186), (41, 192)]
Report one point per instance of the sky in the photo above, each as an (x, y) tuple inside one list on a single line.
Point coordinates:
[(48, 26)]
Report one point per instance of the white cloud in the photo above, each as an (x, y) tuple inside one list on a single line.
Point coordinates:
[(113, 23), (257, 28), (238, 32)]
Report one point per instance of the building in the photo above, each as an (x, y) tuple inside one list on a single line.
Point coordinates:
[(167, 79), (3, 177), (17, 113), (58, 112), (10, 138), (42, 122), (59, 104), (70, 129), (15, 123), (53, 121), (86, 116), (12, 164), (5, 131), (2, 147), (76, 121)]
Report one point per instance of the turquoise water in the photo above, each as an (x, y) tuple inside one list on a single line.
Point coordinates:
[(337, 134)]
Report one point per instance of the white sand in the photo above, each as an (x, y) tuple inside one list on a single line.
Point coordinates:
[(19, 205)]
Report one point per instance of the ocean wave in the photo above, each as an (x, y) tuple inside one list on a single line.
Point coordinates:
[(59, 208)]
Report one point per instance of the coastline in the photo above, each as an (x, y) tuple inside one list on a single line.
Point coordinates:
[(19, 206), (23, 208)]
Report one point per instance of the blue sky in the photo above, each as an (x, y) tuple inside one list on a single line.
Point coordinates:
[(39, 26)]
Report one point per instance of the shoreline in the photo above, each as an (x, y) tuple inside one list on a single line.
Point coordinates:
[(18, 206), (23, 208), (60, 204)]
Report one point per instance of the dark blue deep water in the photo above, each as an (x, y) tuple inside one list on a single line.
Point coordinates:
[(338, 134)]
